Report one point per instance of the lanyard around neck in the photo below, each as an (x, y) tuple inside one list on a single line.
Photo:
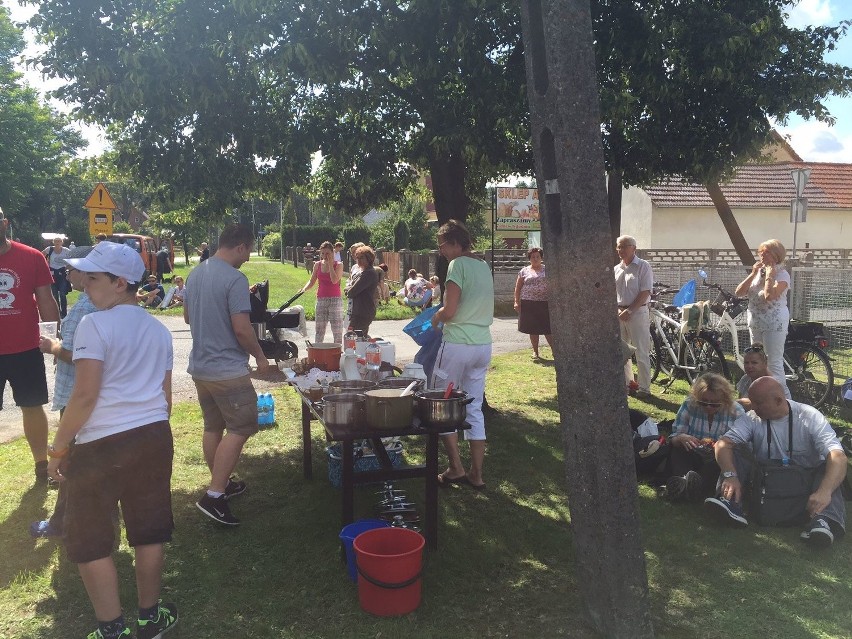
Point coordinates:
[(789, 436)]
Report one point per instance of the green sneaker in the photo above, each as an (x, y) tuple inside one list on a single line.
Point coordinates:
[(97, 634), (167, 618)]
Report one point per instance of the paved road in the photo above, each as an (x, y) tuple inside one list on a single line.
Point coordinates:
[(504, 332)]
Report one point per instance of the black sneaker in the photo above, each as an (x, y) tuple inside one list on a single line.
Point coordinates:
[(694, 485), (41, 471), (818, 533), (726, 511), (41, 529), (235, 487), (217, 508), (97, 634), (167, 617), (676, 488)]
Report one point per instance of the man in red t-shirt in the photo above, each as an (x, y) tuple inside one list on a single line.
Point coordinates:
[(25, 295)]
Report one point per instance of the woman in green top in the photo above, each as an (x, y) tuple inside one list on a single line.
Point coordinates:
[(465, 351)]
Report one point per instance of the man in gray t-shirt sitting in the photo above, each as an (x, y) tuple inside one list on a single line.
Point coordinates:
[(217, 307), (764, 434)]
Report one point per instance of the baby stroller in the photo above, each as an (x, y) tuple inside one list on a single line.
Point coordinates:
[(268, 325)]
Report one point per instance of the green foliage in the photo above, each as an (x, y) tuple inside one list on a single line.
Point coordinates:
[(35, 140), (271, 245), (122, 227), (77, 231), (406, 227), (316, 235), (353, 232), (688, 88)]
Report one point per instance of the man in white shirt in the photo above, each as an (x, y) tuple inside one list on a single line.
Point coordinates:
[(633, 282)]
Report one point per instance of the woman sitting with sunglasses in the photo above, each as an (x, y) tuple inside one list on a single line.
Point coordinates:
[(755, 364), (708, 412)]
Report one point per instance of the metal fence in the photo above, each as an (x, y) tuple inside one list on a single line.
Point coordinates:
[(816, 294)]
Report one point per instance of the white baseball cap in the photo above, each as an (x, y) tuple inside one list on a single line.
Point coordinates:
[(116, 259)]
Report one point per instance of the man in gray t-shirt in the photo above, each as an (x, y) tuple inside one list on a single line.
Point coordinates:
[(764, 434), (217, 308)]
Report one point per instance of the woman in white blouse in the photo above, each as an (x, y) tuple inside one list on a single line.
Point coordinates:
[(768, 316)]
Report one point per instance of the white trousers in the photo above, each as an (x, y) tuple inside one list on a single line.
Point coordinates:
[(465, 365), (636, 331)]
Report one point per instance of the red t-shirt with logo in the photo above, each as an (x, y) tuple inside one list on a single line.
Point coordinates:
[(23, 269)]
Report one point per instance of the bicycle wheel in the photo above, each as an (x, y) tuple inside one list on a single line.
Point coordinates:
[(701, 354), (656, 355), (808, 372)]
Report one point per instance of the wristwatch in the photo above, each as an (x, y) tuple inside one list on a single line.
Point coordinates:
[(728, 474), (56, 454)]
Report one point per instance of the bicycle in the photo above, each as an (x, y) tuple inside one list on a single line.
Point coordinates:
[(807, 367), (675, 351)]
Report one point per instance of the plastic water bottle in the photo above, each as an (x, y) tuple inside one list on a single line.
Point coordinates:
[(373, 356), (349, 340), (270, 412), (261, 409)]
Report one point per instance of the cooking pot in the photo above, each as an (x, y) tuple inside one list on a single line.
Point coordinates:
[(324, 356), (384, 408), (401, 382), (351, 386), (437, 412), (342, 409)]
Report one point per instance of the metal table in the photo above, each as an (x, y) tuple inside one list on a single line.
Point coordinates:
[(347, 436)]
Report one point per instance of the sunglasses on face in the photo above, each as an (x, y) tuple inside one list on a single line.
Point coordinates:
[(701, 402)]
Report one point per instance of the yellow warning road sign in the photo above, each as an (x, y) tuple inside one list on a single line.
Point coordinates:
[(100, 199)]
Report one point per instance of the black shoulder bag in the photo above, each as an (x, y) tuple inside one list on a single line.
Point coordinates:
[(780, 488)]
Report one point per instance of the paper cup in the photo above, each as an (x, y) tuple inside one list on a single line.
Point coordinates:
[(47, 329)]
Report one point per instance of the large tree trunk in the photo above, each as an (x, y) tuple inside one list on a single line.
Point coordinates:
[(730, 222), (602, 491), (451, 201), (613, 192), (448, 175)]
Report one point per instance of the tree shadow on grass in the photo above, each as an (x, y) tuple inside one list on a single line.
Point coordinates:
[(699, 573), (20, 552)]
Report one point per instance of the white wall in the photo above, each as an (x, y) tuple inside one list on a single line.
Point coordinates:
[(636, 216), (702, 228)]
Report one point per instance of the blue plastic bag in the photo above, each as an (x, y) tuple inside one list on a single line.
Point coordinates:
[(686, 295), (428, 352), (418, 328)]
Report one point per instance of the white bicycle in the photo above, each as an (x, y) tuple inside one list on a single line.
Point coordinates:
[(677, 352)]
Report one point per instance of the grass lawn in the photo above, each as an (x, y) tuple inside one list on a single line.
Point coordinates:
[(504, 567), (284, 281)]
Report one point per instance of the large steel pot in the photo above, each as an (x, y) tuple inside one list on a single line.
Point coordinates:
[(384, 408), (324, 356), (342, 409), (437, 412), (351, 386), (401, 382)]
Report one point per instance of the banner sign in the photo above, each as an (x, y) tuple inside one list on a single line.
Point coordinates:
[(517, 209)]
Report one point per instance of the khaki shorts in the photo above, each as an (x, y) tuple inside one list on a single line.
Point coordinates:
[(228, 404)]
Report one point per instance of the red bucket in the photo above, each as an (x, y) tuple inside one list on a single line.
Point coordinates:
[(389, 567)]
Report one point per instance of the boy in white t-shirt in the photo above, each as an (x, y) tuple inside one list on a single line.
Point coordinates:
[(118, 411)]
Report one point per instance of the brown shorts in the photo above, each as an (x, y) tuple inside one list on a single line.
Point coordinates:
[(228, 404), (134, 468)]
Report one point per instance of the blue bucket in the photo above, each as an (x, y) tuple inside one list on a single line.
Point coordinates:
[(347, 536)]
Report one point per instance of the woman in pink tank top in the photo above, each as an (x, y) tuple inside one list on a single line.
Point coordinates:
[(329, 307)]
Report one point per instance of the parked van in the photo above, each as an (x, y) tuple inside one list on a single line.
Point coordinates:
[(146, 246)]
